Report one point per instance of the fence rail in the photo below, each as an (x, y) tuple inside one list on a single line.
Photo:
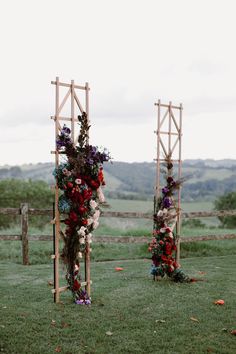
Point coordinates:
[(24, 211)]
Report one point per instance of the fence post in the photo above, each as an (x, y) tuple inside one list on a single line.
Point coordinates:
[(24, 232)]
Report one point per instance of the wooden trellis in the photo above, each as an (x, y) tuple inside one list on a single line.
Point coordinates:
[(169, 143), (71, 102)]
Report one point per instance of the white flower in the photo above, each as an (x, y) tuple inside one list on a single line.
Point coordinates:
[(93, 204), (82, 240), (90, 221), (165, 211), (163, 230), (89, 238), (78, 181), (160, 213), (95, 224), (82, 231), (80, 255), (170, 234), (96, 214), (100, 195), (76, 268)]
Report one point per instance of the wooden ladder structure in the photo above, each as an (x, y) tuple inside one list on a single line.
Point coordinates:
[(74, 109), (169, 143)]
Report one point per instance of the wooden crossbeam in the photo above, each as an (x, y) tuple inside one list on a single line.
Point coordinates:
[(68, 85)]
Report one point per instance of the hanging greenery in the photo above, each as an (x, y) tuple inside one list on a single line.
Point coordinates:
[(80, 179)]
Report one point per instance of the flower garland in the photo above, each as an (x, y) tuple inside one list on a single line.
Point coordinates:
[(80, 178), (163, 244)]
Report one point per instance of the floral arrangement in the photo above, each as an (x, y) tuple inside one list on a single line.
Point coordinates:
[(163, 245), (80, 179)]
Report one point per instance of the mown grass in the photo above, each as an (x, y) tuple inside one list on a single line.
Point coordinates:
[(40, 252), (129, 314)]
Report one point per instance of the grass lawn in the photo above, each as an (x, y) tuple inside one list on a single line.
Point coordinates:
[(130, 313)]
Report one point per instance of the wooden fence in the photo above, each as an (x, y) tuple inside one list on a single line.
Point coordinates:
[(24, 212)]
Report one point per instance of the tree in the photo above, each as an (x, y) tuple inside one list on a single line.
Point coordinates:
[(227, 202), (13, 192)]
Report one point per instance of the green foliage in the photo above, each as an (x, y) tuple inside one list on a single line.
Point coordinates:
[(194, 223), (13, 192), (227, 202)]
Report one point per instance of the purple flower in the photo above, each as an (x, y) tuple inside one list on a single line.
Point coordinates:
[(165, 190), (87, 302), (167, 202), (65, 130), (80, 302)]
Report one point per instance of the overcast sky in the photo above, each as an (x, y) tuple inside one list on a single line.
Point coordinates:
[(132, 53)]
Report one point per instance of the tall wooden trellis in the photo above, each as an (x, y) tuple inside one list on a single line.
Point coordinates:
[(169, 144), (73, 97)]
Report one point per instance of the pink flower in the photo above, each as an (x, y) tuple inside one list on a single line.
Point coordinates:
[(100, 195)]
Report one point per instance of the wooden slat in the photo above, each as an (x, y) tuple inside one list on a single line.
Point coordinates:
[(64, 101), (118, 214), (68, 85), (78, 103), (24, 233), (123, 239), (163, 118), (174, 146), (10, 211), (64, 118), (166, 105), (174, 120), (64, 288), (163, 147)]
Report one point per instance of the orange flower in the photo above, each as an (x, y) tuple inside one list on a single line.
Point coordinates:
[(219, 302)]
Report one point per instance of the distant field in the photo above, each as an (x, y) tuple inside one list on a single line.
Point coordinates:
[(147, 205)]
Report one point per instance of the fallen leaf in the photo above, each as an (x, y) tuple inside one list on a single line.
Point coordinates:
[(224, 329), (53, 323), (202, 273), (109, 333), (194, 319), (119, 269), (219, 302), (233, 332), (65, 325), (58, 349), (161, 321), (50, 283)]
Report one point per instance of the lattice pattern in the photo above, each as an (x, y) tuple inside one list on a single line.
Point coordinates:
[(71, 104), (169, 143)]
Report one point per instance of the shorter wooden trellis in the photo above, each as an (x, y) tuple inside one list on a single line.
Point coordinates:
[(169, 143), (72, 111)]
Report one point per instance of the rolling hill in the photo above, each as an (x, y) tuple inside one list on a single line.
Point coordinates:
[(206, 179)]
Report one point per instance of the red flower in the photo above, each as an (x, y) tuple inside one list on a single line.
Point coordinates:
[(82, 210), (87, 193), (94, 184), (84, 222), (73, 216), (70, 185), (76, 285), (168, 248), (101, 177)]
